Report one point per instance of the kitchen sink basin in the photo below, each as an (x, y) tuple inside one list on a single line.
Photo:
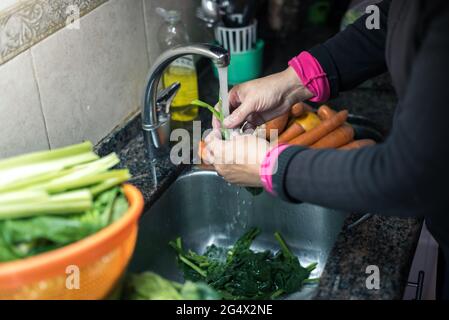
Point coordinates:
[(203, 209)]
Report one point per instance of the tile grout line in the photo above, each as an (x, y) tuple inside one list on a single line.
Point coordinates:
[(36, 78), (145, 26), (33, 67)]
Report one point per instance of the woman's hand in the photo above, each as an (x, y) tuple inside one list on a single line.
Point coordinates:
[(261, 100), (237, 160)]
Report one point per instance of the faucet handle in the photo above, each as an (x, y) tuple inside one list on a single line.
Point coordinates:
[(166, 96)]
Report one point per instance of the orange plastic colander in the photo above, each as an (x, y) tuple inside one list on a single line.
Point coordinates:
[(87, 269)]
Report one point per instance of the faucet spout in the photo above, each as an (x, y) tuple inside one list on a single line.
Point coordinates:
[(150, 120)]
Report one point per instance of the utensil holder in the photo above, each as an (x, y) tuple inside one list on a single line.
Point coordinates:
[(246, 65), (237, 40)]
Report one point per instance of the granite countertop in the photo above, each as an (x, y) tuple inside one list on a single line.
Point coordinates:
[(386, 242)]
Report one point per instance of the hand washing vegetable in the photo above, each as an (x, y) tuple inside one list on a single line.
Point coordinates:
[(337, 138), (218, 115), (241, 273), (358, 144), (53, 198), (317, 133), (225, 134), (150, 286)]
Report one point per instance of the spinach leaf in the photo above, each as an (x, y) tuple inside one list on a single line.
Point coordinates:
[(150, 286), (241, 273)]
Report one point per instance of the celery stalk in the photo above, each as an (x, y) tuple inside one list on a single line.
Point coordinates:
[(87, 181), (23, 173), (70, 202), (217, 114), (76, 177), (56, 182), (108, 184), (40, 179), (27, 210), (81, 195), (23, 196)]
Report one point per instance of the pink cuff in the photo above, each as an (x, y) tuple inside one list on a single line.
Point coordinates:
[(312, 76), (269, 166)]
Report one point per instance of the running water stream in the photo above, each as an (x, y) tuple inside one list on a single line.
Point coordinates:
[(223, 78)]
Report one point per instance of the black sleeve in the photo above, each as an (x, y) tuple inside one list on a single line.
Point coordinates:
[(408, 175), (355, 54)]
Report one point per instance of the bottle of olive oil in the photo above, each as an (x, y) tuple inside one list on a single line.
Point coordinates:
[(171, 34)]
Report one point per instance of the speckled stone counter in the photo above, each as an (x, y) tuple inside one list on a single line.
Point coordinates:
[(386, 242)]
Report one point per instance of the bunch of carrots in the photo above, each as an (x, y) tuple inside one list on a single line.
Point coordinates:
[(302, 126), (325, 129)]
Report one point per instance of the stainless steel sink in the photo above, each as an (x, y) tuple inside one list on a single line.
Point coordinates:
[(203, 209)]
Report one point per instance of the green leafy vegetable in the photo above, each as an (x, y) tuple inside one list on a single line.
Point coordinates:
[(216, 113), (150, 286), (21, 238), (241, 273), (52, 198), (207, 106)]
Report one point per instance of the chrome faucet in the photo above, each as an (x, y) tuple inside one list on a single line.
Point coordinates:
[(156, 142)]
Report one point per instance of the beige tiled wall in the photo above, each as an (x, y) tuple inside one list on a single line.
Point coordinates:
[(90, 79), (79, 84), (22, 125)]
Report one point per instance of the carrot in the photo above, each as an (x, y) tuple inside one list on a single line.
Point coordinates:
[(278, 123), (322, 130), (297, 110), (292, 132), (308, 107), (202, 155), (325, 112), (358, 144), (201, 149), (337, 138)]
